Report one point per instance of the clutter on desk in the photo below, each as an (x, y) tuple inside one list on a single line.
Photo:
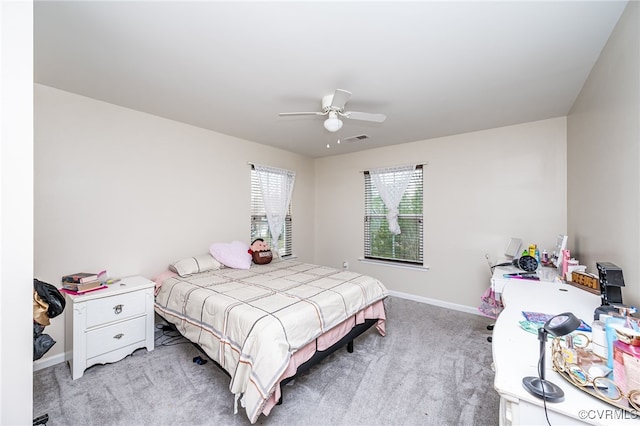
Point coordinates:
[(541, 318), (618, 328), (605, 365), (523, 275), (602, 359), (608, 367), (616, 335), (534, 327), (532, 259), (616, 332)]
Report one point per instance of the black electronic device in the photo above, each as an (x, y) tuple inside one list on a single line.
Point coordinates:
[(611, 283), (526, 263)]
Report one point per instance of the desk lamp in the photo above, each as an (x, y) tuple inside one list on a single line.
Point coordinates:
[(559, 325)]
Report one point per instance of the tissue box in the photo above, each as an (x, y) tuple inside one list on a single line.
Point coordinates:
[(626, 366)]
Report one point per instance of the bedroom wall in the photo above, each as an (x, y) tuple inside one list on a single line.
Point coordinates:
[(129, 192), (481, 188), (604, 158)]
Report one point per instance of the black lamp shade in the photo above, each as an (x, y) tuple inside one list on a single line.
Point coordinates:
[(562, 324)]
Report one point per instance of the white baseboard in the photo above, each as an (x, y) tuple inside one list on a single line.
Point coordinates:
[(435, 302), (48, 362)]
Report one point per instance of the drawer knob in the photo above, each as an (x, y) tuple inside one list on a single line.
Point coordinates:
[(118, 336), (118, 309)]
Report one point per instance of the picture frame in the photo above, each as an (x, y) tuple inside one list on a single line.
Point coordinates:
[(556, 256)]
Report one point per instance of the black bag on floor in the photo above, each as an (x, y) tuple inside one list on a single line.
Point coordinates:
[(41, 342), (50, 294)]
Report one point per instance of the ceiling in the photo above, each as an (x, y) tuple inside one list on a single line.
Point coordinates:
[(433, 68)]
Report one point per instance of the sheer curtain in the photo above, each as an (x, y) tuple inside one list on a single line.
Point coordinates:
[(391, 182), (276, 186)]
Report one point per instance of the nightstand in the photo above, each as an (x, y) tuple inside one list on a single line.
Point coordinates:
[(106, 325)]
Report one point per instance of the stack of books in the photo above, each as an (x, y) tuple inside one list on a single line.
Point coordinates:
[(82, 282)]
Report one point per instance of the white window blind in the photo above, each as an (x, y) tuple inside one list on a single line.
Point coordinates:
[(379, 242), (260, 223)]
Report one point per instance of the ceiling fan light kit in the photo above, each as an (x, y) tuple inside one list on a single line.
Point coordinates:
[(333, 123)]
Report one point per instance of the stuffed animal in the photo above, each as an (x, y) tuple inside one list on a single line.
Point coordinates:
[(260, 252)]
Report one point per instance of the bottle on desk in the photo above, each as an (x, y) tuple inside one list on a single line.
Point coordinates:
[(566, 255), (599, 339), (569, 351), (545, 257)]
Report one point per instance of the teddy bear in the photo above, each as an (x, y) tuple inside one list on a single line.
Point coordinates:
[(260, 252)]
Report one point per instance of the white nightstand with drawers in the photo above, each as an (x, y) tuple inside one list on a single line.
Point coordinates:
[(106, 325)]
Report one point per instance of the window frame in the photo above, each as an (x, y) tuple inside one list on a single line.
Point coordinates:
[(259, 226), (372, 197)]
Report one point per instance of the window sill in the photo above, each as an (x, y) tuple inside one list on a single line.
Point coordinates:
[(394, 264)]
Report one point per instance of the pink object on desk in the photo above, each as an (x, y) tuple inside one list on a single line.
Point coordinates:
[(626, 366), (566, 255)]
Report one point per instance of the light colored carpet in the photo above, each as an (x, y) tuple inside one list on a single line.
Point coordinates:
[(432, 368)]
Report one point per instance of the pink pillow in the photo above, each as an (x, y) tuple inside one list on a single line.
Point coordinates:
[(233, 255)]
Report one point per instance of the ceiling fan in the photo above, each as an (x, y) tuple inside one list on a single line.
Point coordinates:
[(333, 105)]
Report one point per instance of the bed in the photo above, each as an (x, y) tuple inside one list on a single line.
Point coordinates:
[(265, 323)]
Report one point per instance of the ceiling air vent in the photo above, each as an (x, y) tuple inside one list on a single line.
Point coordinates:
[(356, 138)]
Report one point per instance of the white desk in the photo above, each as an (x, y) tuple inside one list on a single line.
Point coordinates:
[(515, 355), (498, 281)]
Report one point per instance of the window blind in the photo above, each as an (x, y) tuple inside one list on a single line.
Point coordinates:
[(260, 224), (379, 242)]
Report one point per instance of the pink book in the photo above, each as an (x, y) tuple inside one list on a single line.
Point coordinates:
[(76, 293)]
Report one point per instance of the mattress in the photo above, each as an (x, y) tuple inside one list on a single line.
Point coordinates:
[(252, 322)]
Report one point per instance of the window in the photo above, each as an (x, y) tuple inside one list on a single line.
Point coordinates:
[(260, 223), (379, 242)]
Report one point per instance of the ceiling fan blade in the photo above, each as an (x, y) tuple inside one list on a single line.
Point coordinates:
[(340, 98), (284, 114), (364, 116)]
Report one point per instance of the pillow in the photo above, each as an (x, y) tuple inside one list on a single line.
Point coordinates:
[(161, 277), (260, 252), (193, 265), (234, 254), (261, 257)]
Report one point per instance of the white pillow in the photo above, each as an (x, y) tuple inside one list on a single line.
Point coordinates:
[(234, 254), (193, 265)]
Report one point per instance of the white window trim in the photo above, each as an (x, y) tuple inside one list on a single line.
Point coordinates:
[(393, 264)]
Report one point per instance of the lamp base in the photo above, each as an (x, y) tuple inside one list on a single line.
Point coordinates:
[(543, 389)]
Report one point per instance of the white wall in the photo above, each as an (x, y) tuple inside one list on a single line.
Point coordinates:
[(129, 192), (16, 213), (481, 188), (604, 158)]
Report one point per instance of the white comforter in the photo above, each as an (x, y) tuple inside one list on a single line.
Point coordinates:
[(252, 321)]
